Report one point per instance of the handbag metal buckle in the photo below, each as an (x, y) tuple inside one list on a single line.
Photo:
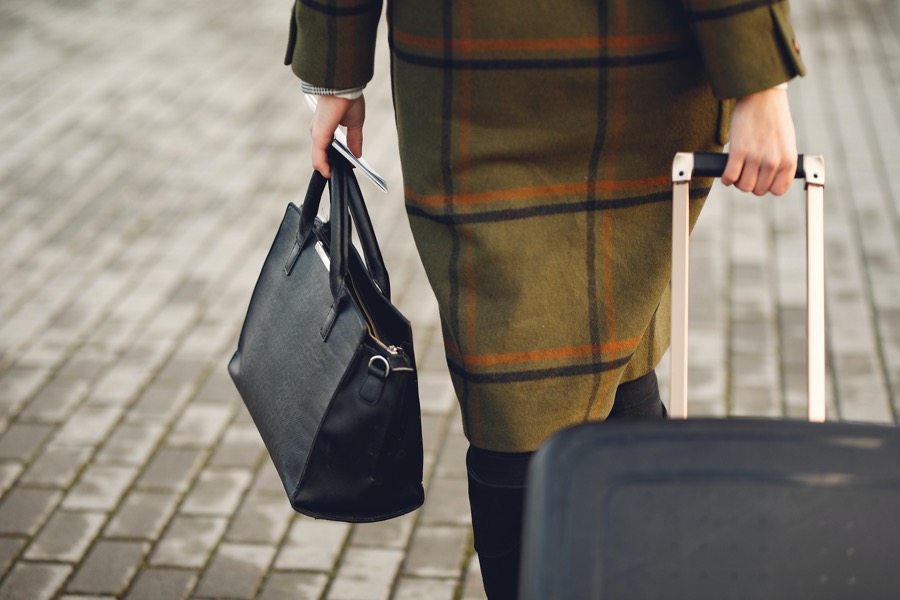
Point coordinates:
[(387, 365)]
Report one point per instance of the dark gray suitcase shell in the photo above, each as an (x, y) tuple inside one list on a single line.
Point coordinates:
[(718, 508), (714, 509)]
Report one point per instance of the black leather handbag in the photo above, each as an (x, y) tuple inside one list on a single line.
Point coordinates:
[(325, 365)]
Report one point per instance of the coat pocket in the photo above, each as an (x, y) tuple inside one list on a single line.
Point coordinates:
[(723, 127), (292, 37)]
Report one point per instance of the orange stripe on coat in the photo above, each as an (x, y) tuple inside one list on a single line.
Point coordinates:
[(490, 360)]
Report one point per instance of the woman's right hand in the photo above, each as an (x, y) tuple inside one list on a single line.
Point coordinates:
[(331, 112)]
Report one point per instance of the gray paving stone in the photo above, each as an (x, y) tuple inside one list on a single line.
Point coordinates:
[(267, 482), (863, 402), (56, 400), (260, 520), (18, 383), (24, 510), (121, 384), (218, 389), (155, 584), (433, 428), (88, 426), (34, 581), (312, 545), (393, 533), (82, 367), (425, 589), (57, 466), (180, 370), (294, 586), (108, 568), (236, 571), (142, 515), (452, 460), (437, 552), (100, 488), (172, 469), (160, 402), (436, 393), (473, 587), (66, 537), (241, 446), (754, 401), (446, 502), (188, 541), (130, 444), (199, 426), (9, 471), (365, 573), (9, 550), (21, 441), (217, 492)]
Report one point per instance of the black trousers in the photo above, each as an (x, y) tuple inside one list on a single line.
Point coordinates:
[(497, 492)]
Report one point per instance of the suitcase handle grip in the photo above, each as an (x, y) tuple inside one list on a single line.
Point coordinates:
[(712, 164)]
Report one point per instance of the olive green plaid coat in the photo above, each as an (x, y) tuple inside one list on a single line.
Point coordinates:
[(536, 142)]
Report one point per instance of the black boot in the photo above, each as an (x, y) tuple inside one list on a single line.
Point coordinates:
[(496, 497), (639, 399)]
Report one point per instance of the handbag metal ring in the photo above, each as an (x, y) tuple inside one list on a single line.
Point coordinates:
[(387, 365)]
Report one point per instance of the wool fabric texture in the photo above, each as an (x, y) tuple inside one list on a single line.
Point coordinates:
[(536, 142)]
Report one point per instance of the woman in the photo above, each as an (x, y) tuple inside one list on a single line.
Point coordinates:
[(536, 141)]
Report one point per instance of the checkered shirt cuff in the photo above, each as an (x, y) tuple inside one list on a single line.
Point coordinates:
[(350, 94)]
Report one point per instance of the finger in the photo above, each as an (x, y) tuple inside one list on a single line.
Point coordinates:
[(355, 140), (784, 178), (321, 136), (319, 143), (766, 176), (749, 175), (320, 162), (733, 168)]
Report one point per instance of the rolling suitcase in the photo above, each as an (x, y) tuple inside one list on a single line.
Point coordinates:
[(718, 508)]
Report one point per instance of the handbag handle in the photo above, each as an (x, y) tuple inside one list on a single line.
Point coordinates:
[(367, 239), (346, 199)]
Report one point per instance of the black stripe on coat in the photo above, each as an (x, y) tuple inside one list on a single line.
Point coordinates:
[(729, 11), (338, 11), (591, 62), (591, 368), (591, 294), (512, 214)]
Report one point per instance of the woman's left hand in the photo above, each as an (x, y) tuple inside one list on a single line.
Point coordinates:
[(763, 149)]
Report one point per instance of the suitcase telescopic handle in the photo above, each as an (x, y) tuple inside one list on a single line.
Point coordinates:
[(810, 168)]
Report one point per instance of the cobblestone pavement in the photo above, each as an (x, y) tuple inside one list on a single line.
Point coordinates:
[(147, 151)]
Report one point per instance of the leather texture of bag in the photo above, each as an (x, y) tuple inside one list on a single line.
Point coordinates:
[(326, 368)]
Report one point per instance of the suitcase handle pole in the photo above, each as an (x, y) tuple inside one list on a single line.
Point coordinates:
[(703, 164)]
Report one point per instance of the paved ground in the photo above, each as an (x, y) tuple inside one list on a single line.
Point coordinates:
[(147, 150)]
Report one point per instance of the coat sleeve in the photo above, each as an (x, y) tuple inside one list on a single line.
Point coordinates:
[(747, 45), (332, 42)]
